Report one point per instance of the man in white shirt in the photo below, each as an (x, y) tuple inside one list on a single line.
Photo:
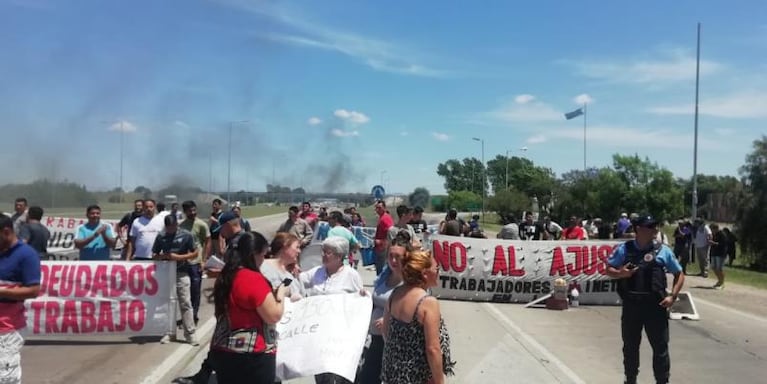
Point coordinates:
[(702, 242), (143, 233)]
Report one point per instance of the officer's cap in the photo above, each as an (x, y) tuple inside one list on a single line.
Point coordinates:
[(645, 221)]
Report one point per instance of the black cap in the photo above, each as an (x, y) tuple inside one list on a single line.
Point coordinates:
[(645, 221), (226, 217)]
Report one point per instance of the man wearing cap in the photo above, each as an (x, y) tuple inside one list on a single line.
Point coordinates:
[(640, 265), (178, 245), (622, 226)]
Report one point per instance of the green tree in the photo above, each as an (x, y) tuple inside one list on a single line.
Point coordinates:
[(523, 175), (466, 175), (464, 200), (649, 188), (752, 216), (596, 192), (508, 203), (143, 191), (419, 197)]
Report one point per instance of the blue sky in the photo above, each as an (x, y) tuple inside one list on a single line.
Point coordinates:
[(336, 92)]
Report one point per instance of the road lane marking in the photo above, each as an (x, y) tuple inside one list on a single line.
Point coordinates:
[(180, 354), (542, 352), (734, 311)]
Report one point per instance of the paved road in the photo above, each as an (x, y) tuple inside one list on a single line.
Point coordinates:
[(493, 343)]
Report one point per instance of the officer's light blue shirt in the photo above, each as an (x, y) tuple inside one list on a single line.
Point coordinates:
[(665, 257)]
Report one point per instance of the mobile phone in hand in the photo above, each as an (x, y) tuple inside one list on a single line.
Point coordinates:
[(287, 282), (630, 266)]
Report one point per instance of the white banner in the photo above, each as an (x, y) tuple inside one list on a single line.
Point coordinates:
[(321, 334), (519, 271), (61, 245), (94, 298)]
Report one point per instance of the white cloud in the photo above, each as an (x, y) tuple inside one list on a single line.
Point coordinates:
[(672, 66), (124, 126), (524, 99), (181, 124), (353, 117), (631, 137), (341, 133), (530, 111), (537, 139), (314, 121), (583, 98), (377, 54), (744, 105), (440, 136), (724, 131)]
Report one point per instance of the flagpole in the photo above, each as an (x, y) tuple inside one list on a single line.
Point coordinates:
[(584, 137), (694, 210)]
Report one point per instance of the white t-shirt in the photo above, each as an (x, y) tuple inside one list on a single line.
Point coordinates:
[(143, 232), (701, 236), (317, 282)]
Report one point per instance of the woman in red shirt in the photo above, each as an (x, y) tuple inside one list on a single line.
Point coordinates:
[(244, 343)]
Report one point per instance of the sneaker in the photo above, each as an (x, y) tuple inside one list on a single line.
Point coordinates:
[(715, 286), (204, 275), (165, 339), (192, 340), (719, 287)]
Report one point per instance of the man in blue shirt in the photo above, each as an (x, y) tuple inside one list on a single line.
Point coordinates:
[(641, 265), (19, 280), (94, 239)]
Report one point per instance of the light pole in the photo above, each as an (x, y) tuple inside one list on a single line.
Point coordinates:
[(382, 177), (482, 176), (122, 151), (229, 163), (523, 149)]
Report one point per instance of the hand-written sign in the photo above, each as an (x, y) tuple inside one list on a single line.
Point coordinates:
[(521, 271), (96, 298), (321, 334)]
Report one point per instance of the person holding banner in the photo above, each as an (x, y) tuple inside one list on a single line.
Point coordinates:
[(93, 239), (19, 280), (384, 285), (243, 348), (417, 350), (332, 277)]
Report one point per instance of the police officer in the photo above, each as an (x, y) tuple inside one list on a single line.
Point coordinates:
[(641, 265)]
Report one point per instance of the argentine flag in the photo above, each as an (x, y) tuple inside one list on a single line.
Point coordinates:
[(574, 114)]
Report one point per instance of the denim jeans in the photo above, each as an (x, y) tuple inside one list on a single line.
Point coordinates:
[(195, 277)]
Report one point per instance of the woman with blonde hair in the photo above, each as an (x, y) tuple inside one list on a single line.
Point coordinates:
[(417, 348), (283, 263), (385, 283)]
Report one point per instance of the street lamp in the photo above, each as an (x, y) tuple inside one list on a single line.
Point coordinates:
[(483, 178), (122, 151), (229, 164), (523, 149)]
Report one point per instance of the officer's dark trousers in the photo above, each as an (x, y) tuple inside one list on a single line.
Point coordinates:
[(647, 313)]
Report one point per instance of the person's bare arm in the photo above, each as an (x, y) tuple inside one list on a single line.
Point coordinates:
[(20, 293), (273, 306), (668, 301), (430, 318)]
